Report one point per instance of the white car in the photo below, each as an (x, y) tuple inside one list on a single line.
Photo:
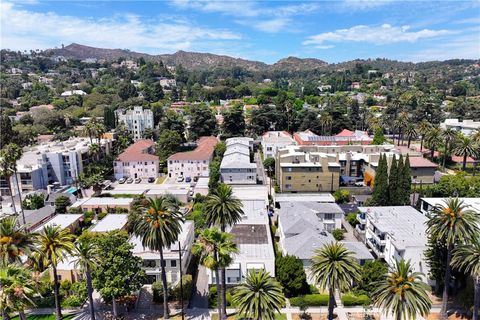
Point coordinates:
[(180, 179)]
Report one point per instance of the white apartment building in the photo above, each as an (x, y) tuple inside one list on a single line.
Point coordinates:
[(394, 233), (236, 167), (136, 120), (53, 162), (193, 163), (274, 140), (137, 161), (428, 204), (467, 127), (151, 259)]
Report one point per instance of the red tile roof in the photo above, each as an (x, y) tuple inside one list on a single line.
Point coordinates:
[(203, 151), (345, 133), (138, 152), (420, 162)]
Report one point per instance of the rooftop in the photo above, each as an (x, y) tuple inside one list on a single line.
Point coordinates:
[(61, 220), (277, 136), (473, 203), (103, 201), (304, 244), (296, 217), (139, 151), (203, 151), (420, 162), (301, 197), (250, 234), (359, 249), (110, 222)]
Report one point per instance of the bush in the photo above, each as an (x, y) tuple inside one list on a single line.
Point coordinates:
[(341, 196), (212, 297), (157, 289), (338, 234), (291, 275), (352, 219), (72, 302), (102, 215), (353, 300), (314, 300), (187, 288), (313, 289)]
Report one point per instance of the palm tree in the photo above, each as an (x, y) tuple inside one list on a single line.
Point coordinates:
[(433, 139), (410, 133), (452, 222), (223, 209), (449, 135), (94, 150), (158, 226), (401, 123), (402, 292), (466, 257), (87, 255), (215, 249), (17, 289), (326, 121), (9, 156), (55, 244), (465, 147), (476, 136), (15, 242), (334, 267), (423, 128), (260, 297)]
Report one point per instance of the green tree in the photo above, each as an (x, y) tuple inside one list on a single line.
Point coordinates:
[(433, 139), (436, 257), (17, 290), (378, 137), (223, 209), (453, 222), (405, 181), (15, 242), (290, 273), (380, 185), (338, 234), (466, 147), (94, 181), (372, 271), (202, 122), (393, 182), (61, 204), (334, 268), (233, 122), (423, 127), (159, 226), (54, 246), (7, 132), (169, 142), (173, 121), (449, 135), (341, 196), (466, 257), (215, 249), (118, 272), (9, 155), (402, 292), (87, 257), (269, 165), (127, 91), (410, 133), (260, 297), (34, 201)]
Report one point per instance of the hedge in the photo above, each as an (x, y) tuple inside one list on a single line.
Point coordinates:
[(353, 300), (315, 300), (212, 297)]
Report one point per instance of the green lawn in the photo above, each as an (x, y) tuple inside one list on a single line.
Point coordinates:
[(44, 317), (281, 316)]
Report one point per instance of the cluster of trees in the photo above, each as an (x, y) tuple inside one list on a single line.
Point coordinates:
[(392, 187)]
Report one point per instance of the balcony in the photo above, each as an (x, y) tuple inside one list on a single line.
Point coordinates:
[(360, 228), (376, 247), (362, 218)]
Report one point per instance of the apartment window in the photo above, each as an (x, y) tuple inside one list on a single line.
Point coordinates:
[(329, 216), (288, 169), (288, 186), (173, 263), (149, 263), (269, 148), (288, 177), (145, 163)]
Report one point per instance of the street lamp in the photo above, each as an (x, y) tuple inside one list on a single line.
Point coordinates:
[(181, 282)]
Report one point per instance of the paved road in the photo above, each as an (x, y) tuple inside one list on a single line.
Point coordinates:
[(260, 168), (200, 296)]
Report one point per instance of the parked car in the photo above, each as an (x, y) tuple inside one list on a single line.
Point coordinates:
[(122, 180), (138, 180), (188, 179), (151, 180), (180, 179), (190, 193), (195, 179), (129, 180)]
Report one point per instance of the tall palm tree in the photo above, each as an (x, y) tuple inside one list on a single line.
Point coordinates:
[(15, 242), (466, 257), (55, 244), (223, 210), (260, 297), (476, 136), (449, 135), (402, 292), (215, 249), (94, 150), (334, 267), (433, 139), (453, 222), (326, 121), (465, 147), (87, 255), (9, 156), (158, 226), (410, 133), (422, 128), (16, 290), (401, 122)]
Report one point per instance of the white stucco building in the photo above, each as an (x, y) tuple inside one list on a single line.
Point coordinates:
[(236, 166), (274, 140), (137, 161), (136, 120), (467, 127)]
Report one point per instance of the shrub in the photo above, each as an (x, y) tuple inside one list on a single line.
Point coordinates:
[(341, 196), (72, 302), (79, 289), (102, 215), (291, 275), (314, 300), (353, 300), (187, 288), (157, 289), (352, 219), (338, 234), (313, 289), (212, 297)]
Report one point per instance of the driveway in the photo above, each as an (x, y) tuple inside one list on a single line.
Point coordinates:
[(260, 168), (199, 298)]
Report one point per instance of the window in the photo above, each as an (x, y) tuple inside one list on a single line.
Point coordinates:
[(329, 216), (173, 263), (288, 186), (149, 263), (269, 148), (288, 177), (288, 169)]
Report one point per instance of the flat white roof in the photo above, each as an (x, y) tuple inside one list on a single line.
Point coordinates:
[(110, 222), (304, 197), (61, 220), (105, 201), (474, 203), (250, 192)]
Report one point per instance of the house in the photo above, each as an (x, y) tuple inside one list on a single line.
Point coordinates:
[(137, 161), (69, 93), (274, 140), (394, 233), (193, 163), (355, 85), (467, 127), (112, 221), (326, 216), (236, 166), (151, 259), (36, 218), (64, 221), (167, 83), (346, 137), (137, 120), (103, 204)]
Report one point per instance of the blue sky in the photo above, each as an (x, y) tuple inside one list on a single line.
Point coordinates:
[(333, 31)]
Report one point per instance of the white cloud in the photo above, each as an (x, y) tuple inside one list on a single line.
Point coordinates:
[(234, 8), (363, 4), (378, 35), (23, 29)]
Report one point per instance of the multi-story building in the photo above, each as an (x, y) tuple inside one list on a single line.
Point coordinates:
[(237, 166), (136, 120), (151, 259), (467, 127), (395, 233), (137, 161), (274, 140), (300, 171), (428, 204), (193, 163), (346, 137), (53, 162)]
